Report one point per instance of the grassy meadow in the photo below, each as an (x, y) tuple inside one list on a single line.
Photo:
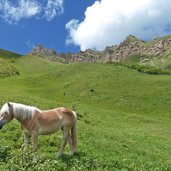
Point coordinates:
[(124, 116)]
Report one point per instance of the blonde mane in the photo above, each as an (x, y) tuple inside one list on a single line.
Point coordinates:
[(23, 112)]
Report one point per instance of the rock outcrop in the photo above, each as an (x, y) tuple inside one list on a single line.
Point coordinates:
[(129, 47), (40, 50)]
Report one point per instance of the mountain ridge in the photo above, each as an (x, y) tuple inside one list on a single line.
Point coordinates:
[(156, 53), (147, 52)]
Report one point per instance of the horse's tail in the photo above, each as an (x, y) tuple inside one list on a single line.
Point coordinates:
[(74, 133)]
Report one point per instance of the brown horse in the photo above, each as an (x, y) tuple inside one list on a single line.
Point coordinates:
[(35, 122)]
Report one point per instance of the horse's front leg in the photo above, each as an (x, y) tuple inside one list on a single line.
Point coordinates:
[(35, 142), (26, 140)]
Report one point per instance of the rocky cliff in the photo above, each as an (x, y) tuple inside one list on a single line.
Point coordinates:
[(40, 50), (129, 47)]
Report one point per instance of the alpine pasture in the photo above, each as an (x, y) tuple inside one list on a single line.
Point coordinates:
[(124, 116)]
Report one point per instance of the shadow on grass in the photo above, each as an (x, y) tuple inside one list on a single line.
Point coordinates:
[(79, 160), (4, 154), (77, 155), (84, 161)]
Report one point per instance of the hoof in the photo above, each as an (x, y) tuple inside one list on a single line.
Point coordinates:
[(58, 156), (35, 159)]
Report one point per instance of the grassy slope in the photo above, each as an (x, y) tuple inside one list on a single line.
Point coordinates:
[(124, 116), (7, 66), (8, 54)]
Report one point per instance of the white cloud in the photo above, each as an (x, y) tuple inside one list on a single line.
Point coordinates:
[(71, 26), (24, 9), (53, 8), (13, 13), (108, 22)]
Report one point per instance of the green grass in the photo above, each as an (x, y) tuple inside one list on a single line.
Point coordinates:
[(133, 59), (123, 116), (163, 62), (7, 63), (8, 54), (7, 69)]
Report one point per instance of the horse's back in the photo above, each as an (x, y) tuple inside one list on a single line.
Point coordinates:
[(61, 114)]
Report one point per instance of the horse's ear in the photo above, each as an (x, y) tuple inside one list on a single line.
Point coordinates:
[(8, 103)]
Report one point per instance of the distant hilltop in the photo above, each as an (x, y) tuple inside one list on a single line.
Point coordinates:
[(42, 51), (131, 46)]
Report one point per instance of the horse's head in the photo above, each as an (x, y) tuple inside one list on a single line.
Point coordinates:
[(6, 114)]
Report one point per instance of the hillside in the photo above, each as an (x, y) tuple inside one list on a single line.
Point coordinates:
[(123, 116), (155, 53), (7, 66), (8, 54)]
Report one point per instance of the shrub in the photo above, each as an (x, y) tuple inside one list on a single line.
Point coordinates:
[(8, 71), (143, 68)]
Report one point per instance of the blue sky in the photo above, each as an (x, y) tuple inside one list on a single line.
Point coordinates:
[(20, 36), (73, 25)]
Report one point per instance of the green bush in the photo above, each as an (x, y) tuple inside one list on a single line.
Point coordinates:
[(144, 68), (8, 70)]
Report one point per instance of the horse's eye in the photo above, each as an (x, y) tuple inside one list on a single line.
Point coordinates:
[(6, 113)]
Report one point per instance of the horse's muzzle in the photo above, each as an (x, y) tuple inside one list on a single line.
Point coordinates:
[(2, 122), (1, 125)]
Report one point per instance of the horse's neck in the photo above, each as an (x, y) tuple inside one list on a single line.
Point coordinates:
[(22, 112)]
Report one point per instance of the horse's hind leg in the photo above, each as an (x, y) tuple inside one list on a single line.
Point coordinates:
[(70, 144), (64, 141)]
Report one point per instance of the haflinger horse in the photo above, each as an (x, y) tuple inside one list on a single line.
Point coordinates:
[(36, 122)]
